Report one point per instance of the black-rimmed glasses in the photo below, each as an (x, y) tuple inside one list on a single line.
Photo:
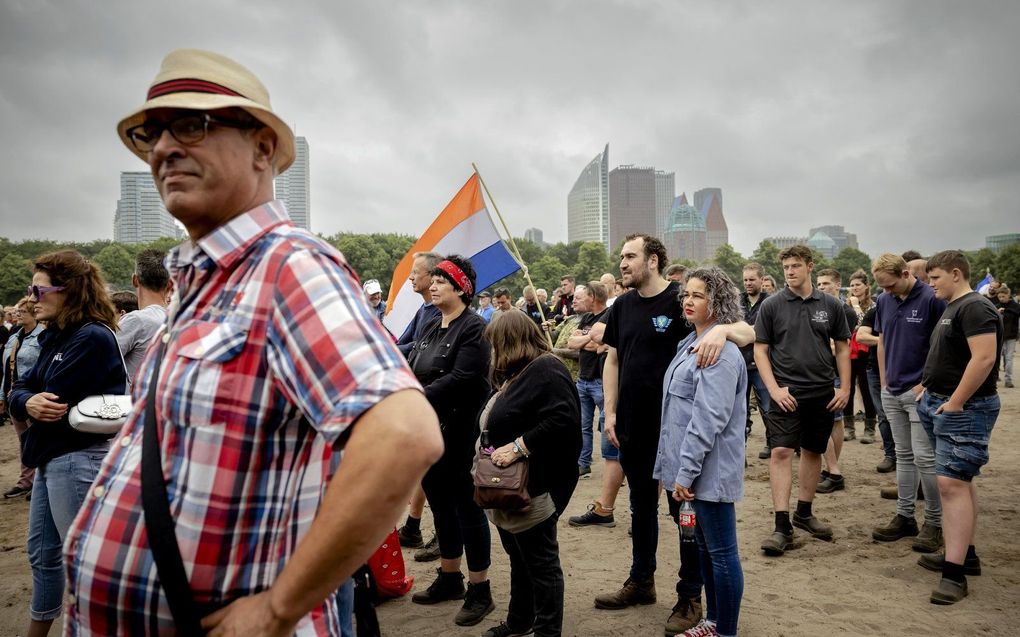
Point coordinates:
[(188, 129)]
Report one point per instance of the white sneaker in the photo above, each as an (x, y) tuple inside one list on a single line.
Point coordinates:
[(704, 628)]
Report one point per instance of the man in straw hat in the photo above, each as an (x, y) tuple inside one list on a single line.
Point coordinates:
[(270, 363)]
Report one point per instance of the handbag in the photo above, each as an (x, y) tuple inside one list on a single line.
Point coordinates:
[(504, 488), (105, 413)]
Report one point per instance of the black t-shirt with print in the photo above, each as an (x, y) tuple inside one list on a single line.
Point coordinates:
[(970, 315), (645, 333), (869, 322)]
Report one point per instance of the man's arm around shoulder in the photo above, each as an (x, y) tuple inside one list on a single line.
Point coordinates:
[(390, 448)]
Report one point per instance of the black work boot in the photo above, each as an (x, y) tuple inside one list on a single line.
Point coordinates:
[(477, 604), (447, 586), (900, 527)]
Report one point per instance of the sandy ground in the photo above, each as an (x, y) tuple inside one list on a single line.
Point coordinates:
[(851, 586)]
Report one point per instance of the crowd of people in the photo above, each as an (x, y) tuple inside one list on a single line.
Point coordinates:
[(277, 430)]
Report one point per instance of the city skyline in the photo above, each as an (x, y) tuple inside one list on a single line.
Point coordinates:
[(140, 216), (897, 118)]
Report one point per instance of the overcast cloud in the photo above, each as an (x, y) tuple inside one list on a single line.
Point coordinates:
[(899, 120)]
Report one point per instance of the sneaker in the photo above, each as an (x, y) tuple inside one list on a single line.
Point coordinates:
[(16, 492), (888, 465), (899, 528), (583, 473), (948, 592), (777, 543), (477, 604), (446, 587), (765, 453), (936, 561), (928, 540), (410, 538), (505, 631), (685, 616), (596, 516), (704, 628), (830, 483), (632, 593), (429, 552), (818, 529)]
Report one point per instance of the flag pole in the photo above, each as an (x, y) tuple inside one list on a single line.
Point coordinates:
[(517, 253)]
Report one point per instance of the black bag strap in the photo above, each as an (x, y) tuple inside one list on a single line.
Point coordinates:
[(159, 524)]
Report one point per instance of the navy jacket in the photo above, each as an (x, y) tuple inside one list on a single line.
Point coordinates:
[(74, 362)]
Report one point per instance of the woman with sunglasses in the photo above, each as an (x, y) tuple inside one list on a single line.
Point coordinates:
[(78, 357)]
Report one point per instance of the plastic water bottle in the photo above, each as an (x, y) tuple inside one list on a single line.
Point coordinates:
[(688, 520)]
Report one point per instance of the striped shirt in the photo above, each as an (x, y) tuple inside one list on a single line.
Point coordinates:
[(273, 354)]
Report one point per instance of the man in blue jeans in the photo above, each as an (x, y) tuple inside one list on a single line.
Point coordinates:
[(865, 336), (907, 315), (958, 411), (590, 303), (751, 300)]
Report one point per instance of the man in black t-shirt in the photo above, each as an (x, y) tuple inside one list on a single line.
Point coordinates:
[(1009, 310), (590, 303), (794, 333), (866, 336), (958, 410), (642, 332), (751, 299)]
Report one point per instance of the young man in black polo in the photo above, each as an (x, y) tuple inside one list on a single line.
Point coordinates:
[(795, 359), (958, 409)]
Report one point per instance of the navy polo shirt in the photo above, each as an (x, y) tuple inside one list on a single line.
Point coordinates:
[(906, 326), (797, 332)]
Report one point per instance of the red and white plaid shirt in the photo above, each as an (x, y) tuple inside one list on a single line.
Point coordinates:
[(273, 353)]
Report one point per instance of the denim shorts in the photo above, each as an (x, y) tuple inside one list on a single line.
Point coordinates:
[(960, 438), (609, 452)]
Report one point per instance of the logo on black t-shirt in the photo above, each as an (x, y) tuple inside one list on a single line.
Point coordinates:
[(821, 316), (661, 323)]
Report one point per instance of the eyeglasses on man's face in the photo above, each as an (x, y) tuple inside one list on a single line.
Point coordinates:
[(38, 291), (189, 128)]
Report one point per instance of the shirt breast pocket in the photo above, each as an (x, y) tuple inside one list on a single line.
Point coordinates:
[(212, 381)]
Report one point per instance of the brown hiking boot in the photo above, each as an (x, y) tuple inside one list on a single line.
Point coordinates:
[(929, 539), (686, 615), (632, 593)]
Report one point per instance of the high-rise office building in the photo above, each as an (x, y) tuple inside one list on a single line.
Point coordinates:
[(631, 203), (665, 194), (293, 187), (685, 235), (534, 235), (141, 216), (841, 239), (999, 242), (588, 203), (708, 202)]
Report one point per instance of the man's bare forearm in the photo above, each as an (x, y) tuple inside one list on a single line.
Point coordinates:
[(390, 449), (610, 381)]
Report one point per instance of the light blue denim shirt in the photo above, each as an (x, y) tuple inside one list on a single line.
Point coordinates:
[(701, 442), (28, 352)]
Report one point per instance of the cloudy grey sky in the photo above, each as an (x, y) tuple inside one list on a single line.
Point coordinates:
[(900, 120)]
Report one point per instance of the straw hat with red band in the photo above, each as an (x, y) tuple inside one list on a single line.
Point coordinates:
[(205, 81)]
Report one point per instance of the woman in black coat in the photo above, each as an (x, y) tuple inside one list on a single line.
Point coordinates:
[(534, 417), (451, 360)]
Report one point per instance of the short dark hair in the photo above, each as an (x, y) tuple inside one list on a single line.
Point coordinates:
[(567, 277), (831, 273), (652, 245), (948, 260), (911, 255), (801, 252), (152, 274), (469, 271), (125, 301), (501, 292)]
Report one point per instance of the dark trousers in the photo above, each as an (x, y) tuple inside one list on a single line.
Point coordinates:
[(637, 465), (461, 527), (859, 379), (875, 384), (536, 579)]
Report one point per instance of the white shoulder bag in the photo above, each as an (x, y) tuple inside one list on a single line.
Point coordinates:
[(104, 413)]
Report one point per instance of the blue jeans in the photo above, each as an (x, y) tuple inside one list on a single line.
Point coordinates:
[(720, 563), (875, 384), (590, 393), (755, 382), (960, 438), (345, 608), (60, 488)]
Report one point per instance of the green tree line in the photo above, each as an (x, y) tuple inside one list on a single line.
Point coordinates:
[(374, 256)]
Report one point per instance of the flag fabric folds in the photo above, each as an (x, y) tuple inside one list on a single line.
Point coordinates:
[(464, 227), (982, 286)]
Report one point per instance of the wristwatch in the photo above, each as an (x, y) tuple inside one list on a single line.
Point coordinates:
[(517, 449)]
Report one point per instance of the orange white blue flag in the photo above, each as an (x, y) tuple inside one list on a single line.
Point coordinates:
[(464, 227)]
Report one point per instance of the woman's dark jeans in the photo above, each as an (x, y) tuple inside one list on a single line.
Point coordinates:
[(720, 563), (461, 527), (536, 579), (859, 379)]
